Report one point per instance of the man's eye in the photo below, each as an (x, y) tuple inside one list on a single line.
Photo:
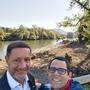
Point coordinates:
[(27, 59), (52, 69), (16, 60)]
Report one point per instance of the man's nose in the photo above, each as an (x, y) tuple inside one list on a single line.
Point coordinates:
[(56, 72), (23, 64)]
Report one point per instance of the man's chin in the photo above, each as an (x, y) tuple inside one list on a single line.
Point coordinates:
[(20, 77), (56, 86)]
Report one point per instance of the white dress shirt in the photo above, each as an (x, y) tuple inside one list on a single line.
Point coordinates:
[(14, 85)]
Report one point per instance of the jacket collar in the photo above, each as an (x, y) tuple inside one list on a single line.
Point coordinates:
[(13, 83)]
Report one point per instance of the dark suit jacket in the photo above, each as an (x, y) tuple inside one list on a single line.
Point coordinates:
[(5, 86)]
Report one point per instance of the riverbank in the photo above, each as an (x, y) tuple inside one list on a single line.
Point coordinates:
[(41, 57)]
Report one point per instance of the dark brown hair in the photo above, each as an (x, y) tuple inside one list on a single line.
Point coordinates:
[(60, 58), (17, 44)]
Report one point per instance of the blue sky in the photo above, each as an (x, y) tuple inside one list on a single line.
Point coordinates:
[(43, 13)]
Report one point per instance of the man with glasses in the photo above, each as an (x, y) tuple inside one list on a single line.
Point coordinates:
[(59, 76)]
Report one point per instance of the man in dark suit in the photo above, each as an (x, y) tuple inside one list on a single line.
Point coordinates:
[(17, 77)]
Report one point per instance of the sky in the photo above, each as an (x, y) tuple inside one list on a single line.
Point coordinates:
[(43, 13)]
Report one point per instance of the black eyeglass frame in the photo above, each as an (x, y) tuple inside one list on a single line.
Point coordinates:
[(60, 71)]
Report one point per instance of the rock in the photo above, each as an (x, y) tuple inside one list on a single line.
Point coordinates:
[(33, 56)]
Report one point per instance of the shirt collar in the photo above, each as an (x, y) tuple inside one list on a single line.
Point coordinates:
[(12, 82)]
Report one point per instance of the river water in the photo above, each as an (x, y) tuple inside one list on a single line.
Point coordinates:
[(35, 44)]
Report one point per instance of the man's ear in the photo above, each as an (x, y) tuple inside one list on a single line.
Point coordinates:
[(70, 74)]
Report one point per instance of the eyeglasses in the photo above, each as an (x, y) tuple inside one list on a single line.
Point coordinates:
[(61, 71)]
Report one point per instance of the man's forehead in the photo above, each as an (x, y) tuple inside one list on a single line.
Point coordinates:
[(19, 48), (57, 62), (20, 51)]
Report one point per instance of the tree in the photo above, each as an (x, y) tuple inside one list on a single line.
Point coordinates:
[(83, 4), (81, 22), (2, 34), (23, 32)]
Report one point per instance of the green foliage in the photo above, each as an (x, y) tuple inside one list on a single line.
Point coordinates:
[(81, 22), (24, 33), (2, 34), (83, 4), (66, 22)]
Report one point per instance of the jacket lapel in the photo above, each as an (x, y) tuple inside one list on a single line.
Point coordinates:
[(31, 82), (5, 84)]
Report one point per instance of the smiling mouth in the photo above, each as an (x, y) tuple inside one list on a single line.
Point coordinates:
[(21, 72), (56, 80)]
